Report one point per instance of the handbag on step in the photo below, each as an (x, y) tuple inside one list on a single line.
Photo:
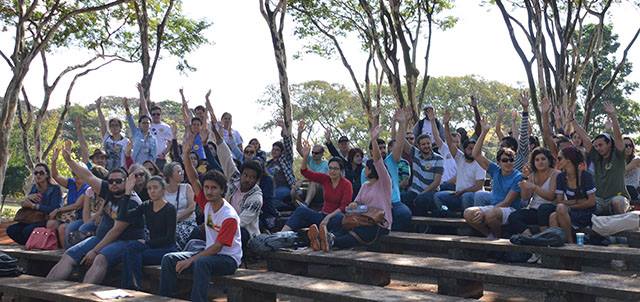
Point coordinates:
[(42, 239)]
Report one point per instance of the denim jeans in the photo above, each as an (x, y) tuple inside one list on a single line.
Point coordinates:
[(401, 217), (203, 269), (482, 198), (137, 255), (281, 196), (421, 203), (453, 202), (303, 217)]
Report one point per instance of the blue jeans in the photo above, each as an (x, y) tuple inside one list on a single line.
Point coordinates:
[(482, 198), (138, 254), (303, 217), (445, 186), (89, 227), (453, 202), (203, 269), (401, 217), (83, 247), (281, 195)]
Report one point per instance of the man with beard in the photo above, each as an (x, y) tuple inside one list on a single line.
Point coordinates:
[(117, 225), (469, 175)]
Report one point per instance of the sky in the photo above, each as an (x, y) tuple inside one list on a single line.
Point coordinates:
[(239, 63)]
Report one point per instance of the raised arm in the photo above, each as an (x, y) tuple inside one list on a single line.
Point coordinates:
[(305, 149), (301, 126), (209, 107), (332, 148), (102, 121), (144, 108), (547, 136), (54, 169), (617, 134), (523, 138), (586, 140), (375, 149), (477, 148), (186, 113), (447, 134), (84, 147), (191, 173), (434, 128), (224, 155), (132, 123), (477, 128), (515, 132), (401, 145), (498, 124), (80, 171)]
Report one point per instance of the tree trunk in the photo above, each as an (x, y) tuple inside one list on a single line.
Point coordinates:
[(7, 115)]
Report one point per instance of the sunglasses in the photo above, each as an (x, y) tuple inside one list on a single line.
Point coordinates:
[(138, 175), (410, 138), (628, 145), (115, 181), (155, 114), (36, 173), (507, 159)]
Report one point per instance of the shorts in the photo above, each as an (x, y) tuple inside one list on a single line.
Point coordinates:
[(505, 212), (603, 205), (112, 252)]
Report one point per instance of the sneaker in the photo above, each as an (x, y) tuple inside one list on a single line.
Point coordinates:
[(325, 236), (314, 241), (534, 258)]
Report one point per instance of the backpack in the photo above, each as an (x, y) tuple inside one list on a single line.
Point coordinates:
[(553, 236), (9, 266), (265, 243)]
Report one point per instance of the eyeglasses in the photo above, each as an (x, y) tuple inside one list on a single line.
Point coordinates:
[(115, 181), (334, 168), (138, 175), (155, 114), (628, 145), (410, 138), (507, 160), (36, 173)]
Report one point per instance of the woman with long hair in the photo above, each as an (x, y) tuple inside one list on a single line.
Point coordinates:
[(632, 169), (353, 169), (44, 197), (575, 193), (539, 188), (142, 176)]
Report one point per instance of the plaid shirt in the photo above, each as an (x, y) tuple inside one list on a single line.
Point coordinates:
[(285, 161)]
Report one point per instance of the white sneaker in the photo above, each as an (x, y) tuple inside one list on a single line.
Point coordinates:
[(534, 258)]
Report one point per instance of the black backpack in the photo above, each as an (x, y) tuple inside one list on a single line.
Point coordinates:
[(553, 236), (9, 266), (265, 243)]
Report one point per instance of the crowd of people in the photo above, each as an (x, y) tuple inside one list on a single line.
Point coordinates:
[(192, 201)]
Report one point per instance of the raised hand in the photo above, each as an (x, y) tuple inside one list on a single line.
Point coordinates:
[(55, 155), (208, 95), (431, 114), (131, 183), (446, 117), (301, 125), (129, 148), (609, 108), (327, 134), (524, 99), (485, 125), (514, 114), (375, 132), (400, 115), (306, 149), (473, 101), (67, 145)]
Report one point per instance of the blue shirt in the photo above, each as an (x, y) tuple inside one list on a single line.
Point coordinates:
[(144, 147), (74, 192), (198, 147), (502, 184), (392, 168), (322, 167)]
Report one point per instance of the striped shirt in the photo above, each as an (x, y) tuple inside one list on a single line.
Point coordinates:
[(425, 169)]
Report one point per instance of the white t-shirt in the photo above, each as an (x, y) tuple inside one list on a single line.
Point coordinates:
[(163, 135), (468, 172), (236, 135), (224, 227), (449, 163)]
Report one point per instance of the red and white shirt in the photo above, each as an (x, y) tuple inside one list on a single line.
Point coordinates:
[(224, 226)]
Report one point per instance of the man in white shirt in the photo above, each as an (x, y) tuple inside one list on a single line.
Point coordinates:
[(159, 129), (469, 177)]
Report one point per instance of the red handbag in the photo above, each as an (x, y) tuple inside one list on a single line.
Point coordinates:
[(42, 239)]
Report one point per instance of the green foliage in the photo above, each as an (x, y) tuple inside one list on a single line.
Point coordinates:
[(332, 106), (618, 93)]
